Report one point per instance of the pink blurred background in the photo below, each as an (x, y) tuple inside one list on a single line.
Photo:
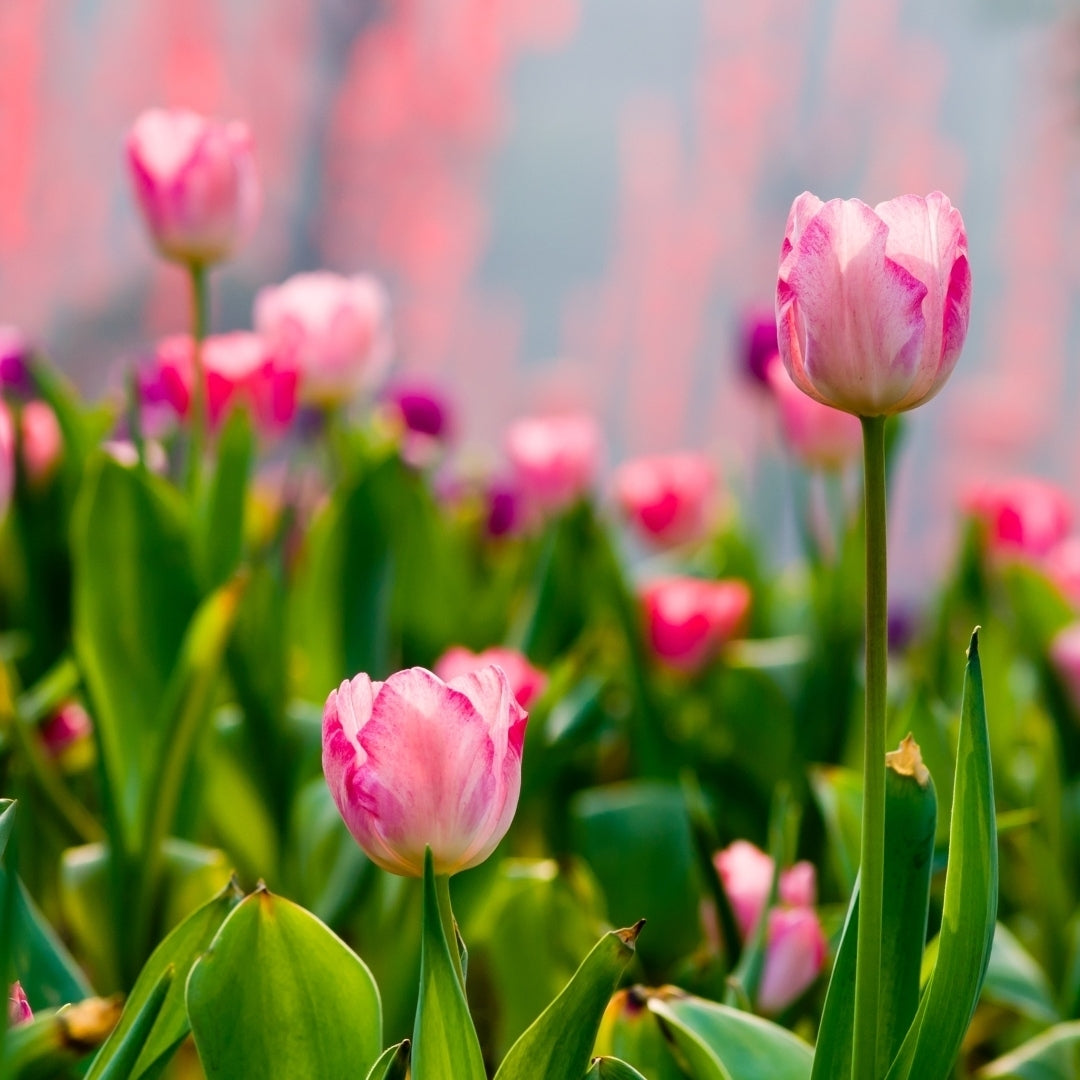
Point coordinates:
[(572, 201)]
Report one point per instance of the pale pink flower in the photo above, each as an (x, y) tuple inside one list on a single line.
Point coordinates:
[(1022, 516), (1062, 566), (667, 497), (795, 951), (1065, 656), (196, 183), (41, 442), (688, 619), (415, 762), (873, 304), (336, 328), (554, 458), (747, 873), (526, 682)]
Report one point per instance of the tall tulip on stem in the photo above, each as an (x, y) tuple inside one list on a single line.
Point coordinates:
[(872, 308)]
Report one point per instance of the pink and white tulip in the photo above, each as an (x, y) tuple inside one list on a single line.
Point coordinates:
[(526, 682), (1023, 516), (336, 328), (689, 619), (415, 762), (196, 183), (795, 951), (554, 458), (872, 304), (746, 872), (667, 498)]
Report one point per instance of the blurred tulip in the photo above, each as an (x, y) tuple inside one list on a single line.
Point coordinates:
[(66, 727), (795, 951), (1062, 566), (747, 872), (688, 619), (14, 361), (1023, 516), (667, 497), (423, 416), (873, 304), (335, 328), (526, 682), (819, 436), (504, 511), (196, 183), (416, 762), (1065, 657), (7, 458), (759, 344), (41, 442), (19, 1011), (555, 458), (240, 368)]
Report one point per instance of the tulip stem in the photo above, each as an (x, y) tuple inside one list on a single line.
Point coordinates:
[(872, 854), (446, 914), (200, 317)]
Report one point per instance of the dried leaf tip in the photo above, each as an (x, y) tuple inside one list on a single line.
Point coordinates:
[(907, 761)]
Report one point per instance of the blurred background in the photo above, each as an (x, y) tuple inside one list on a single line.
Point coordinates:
[(573, 202)]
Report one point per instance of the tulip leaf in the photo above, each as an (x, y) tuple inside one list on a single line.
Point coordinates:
[(629, 1031), (279, 994), (721, 1043), (7, 822), (1014, 979), (609, 1068), (53, 1044), (393, 1063), (179, 951), (444, 1038), (1052, 1055), (559, 1043), (969, 914), (128, 1048)]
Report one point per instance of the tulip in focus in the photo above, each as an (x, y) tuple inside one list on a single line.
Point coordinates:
[(555, 458), (1024, 516), (819, 436), (415, 762), (667, 498), (795, 951), (335, 328), (526, 682), (688, 619), (19, 1011), (41, 442), (872, 304), (196, 183), (747, 873)]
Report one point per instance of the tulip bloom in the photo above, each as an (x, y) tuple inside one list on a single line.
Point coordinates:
[(666, 498), (1062, 567), (415, 762), (688, 619), (41, 442), (335, 327), (554, 458), (795, 950), (1065, 657), (747, 872), (196, 184), (1023, 516), (526, 682), (872, 305)]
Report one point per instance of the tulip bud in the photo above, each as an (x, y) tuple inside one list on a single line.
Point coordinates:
[(196, 183), (747, 872), (41, 442), (422, 415), (68, 726), (1023, 516), (335, 328), (526, 682), (19, 1011), (667, 497), (554, 458), (795, 950), (415, 762), (504, 511), (689, 619), (872, 305)]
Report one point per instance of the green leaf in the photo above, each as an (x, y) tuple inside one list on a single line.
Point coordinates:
[(55, 1041), (279, 994), (179, 951), (7, 822), (609, 1068), (1052, 1055), (838, 793), (444, 1039), (629, 1031), (721, 1043), (1014, 979), (393, 1063), (969, 914), (559, 1044), (127, 1050)]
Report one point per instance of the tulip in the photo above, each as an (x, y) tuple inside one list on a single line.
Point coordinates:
[(7, 458), (554, 458), (666, 498), (14, 361), (68, 726), (19, 1011), (1024, 516), (239, 368), (504, 510), (41, 442), (526, 682), (335, 327), (1065, 657), (415, 762), (689, 619), (196, 184), (819, 436), (1062, 566), (747, 874), (422, 415), (759, 344), (872, 305), (795, 950)]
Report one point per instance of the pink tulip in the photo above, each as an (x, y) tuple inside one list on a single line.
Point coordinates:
[(795, 950), (196, 183), (335, 327), (240, 368), (759, 343), (688, 619), (1062, 566), (41, 442), (67, 726), (15, 353), (667, 498), (415, 762), (1065, 657), (7, 458), (872, 305), (19, 1011), (526, 682), (819, 436), (554, 458), (1023, 516), (747, 872)]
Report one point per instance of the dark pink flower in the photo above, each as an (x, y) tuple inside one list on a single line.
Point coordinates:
[(19, 1011), (688, 619), (1022, 516), (68, 725), (667, 497)]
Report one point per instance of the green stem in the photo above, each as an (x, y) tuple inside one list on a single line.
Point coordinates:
[(199, 419), (872, 855), (446, 915)]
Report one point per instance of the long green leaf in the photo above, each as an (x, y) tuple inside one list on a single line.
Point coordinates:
[(7, 822), (219, 532), (609, 1068), (1052, 1055), (393, 1063), (130, 1046)]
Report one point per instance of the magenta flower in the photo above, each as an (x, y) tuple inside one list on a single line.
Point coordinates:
[(196, 183), (19, 1011), (795, 950), (1023, 516), (415, 762), (554, 458), (336, 328), (667, 498), (759, 343), (66, 727), (526, 682), (688, 619), (872, 305), (747, 872)]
